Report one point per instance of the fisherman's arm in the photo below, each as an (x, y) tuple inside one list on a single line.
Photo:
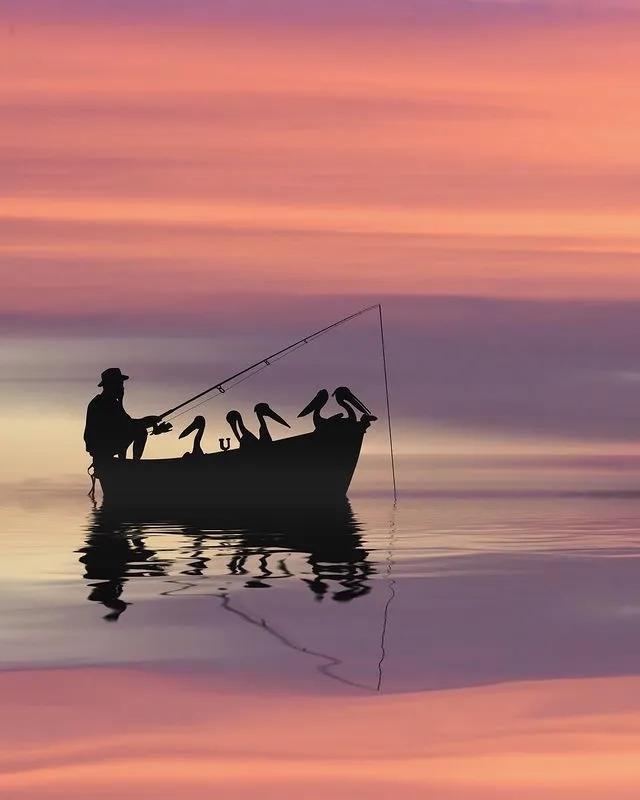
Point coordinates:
[(155, 423)]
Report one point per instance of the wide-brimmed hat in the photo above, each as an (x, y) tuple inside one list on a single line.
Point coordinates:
[(112, 375)]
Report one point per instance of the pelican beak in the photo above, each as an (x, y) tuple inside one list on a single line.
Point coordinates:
[(189, 429), (308, 408), (316, 404), (269, 412), (356, 403)]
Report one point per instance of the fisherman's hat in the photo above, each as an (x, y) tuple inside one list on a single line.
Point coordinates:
[(112, 375)]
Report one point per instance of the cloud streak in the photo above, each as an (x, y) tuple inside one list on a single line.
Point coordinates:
[(406, 160)]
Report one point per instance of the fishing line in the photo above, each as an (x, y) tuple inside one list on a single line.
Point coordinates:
[(386, 390), (323, 669), (392, 594)]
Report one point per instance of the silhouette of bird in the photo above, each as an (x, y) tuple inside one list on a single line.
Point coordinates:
[(316, 405), (346, 399), (197, 425), (244, 436), (262, 411)]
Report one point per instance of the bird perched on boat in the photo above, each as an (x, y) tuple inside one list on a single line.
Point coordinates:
[(244, 436), (316, 405), (262, 411), (346, 399), (197, 425)]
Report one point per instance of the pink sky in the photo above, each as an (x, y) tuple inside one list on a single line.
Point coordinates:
[(146, 166), (167, 172), (159, 158)]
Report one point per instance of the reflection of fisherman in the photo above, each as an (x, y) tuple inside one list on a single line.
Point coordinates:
[(110, 430), (115, 552)]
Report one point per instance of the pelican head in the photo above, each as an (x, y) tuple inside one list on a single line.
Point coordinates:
[(233, 417), (318, 402), (347, 399), (197, 425), (263, 410), (316, 405), (240, 430)]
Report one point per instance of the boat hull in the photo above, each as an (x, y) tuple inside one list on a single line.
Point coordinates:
[(311, 469)]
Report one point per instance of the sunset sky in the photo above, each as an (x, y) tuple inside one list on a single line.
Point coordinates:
[(247, 171), (162, 153), (189, 185)]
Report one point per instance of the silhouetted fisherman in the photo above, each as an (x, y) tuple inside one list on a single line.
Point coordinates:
[(109, 430)]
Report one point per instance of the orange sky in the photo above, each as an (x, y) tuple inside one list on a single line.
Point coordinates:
[(147, 165)]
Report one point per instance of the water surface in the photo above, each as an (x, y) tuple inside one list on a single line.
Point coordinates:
[(441, 591), (478, 640)]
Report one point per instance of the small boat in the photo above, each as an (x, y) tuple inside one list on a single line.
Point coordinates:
[(312, 469)]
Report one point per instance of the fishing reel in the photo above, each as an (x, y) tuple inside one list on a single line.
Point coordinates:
[(161, 427)]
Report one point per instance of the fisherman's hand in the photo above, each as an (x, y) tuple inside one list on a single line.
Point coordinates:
[(161, 427), (150, 421)]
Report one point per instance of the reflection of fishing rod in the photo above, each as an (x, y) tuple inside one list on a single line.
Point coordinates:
[(222, 386)]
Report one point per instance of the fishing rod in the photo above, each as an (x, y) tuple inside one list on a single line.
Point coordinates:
[(219, 387), (268, 360)]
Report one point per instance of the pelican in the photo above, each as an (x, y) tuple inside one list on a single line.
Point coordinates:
[(198, 426), (316, 405), (346, 399), (240, 430), (262, 410)]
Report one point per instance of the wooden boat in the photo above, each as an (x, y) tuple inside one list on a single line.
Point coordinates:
[(313, 469)]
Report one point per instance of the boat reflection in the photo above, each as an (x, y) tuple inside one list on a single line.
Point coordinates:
[(253, 545), (116, 550)]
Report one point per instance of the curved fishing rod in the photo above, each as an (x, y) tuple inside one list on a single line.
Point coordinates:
[(267, 361)]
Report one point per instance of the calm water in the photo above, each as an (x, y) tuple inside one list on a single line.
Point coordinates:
[(439, 592), (468, 647), (479, 641)]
